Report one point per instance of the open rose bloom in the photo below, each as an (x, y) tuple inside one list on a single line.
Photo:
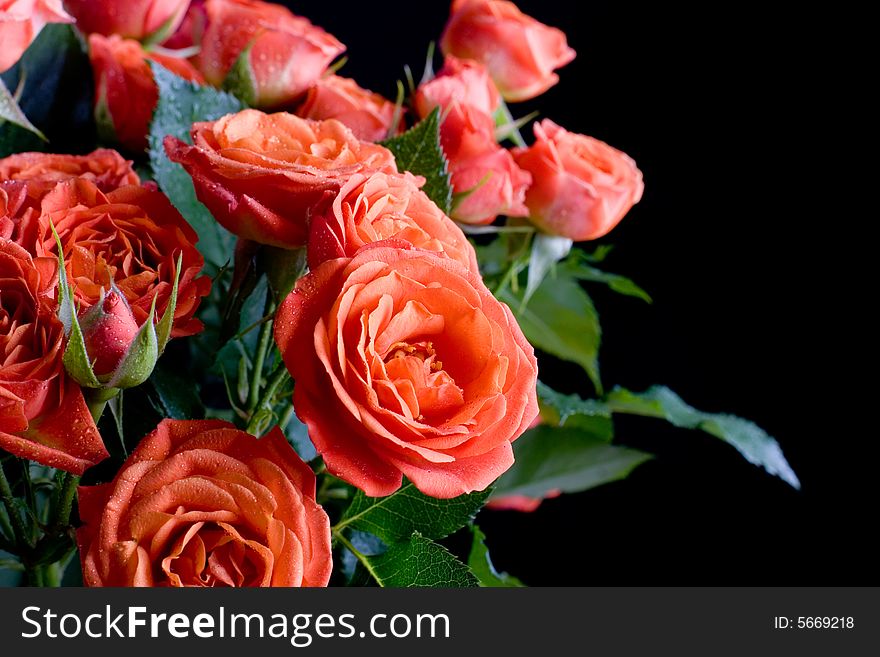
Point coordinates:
[(354, 290), (203, 504)]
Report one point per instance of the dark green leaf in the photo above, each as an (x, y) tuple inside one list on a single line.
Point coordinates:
[(617, 283), (182, 103), (561, 320), (748, 438), (57, 95), (175, 393), (572, 411), (395, 517), (418, 151), (481, 565), (419, 562), (570, 459)]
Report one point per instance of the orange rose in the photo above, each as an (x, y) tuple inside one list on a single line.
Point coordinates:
[(368, 115), (21, 22), (520, 52), (378, 207), (492, 184), (131, 237), (405, 364), (261, 175), (135, 19), (582, 187), (287, 53), (461, 80), (200, 503), (125, 88), (43, 416)]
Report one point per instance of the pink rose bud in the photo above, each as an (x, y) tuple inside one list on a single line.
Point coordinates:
[(21, 22), (465, 81), (491, 184), (582, 187), (109, 330), (520, 52), (287, 53), (368, 115), (134, 19)]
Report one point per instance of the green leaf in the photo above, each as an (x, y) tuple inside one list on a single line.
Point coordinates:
[(617, 283), (418, 151), (419, 562), (572, 411), (570, 459), (57, 95), (481, 565), (561, 320), (749, 439), (182, 103), (175, 394), (240, 79), (10, 111), (547, 250), (283, 268), (395, 517)]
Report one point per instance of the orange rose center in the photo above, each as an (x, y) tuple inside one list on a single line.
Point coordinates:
[(213, 554)]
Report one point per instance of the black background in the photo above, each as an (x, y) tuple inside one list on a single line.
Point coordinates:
[(722, 111)]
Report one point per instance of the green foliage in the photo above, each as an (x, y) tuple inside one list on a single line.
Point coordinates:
[(577, 268), (481, 565), (182, 103), (418, 151), (240, 79), (569, 459), (395, 517), (749, 439), (418, 562), (55, 77)]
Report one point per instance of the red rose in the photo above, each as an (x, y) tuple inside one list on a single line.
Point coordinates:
[(200, 503), (261, 175), (492, 184), (130, 237), (405, 364), (368, 115), (134, 19), (43, 416), (379, 207), (287, 53), (582, 187), (461, 80), (125, 88), (108, 330), (520, 52), (21, 22)]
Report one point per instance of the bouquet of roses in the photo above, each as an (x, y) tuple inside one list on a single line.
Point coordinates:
[(260, 326)]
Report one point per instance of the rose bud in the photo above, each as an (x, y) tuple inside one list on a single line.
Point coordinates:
[(43, 415), (285, 53), (191, 29), (201, 503), (462, 80), (406, 365), (263, 175), (367, 114), (582, 186), (376, 207), (21, 22), (519, 52), (135, 19), (465, 132), (489, 184), (125, 91), (108, 329), (521, 503)]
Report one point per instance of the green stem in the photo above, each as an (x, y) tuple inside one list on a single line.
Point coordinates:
[(263, 345), (6, 531), (278, 379), (358, 554), (65, 501), (19, 532)]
